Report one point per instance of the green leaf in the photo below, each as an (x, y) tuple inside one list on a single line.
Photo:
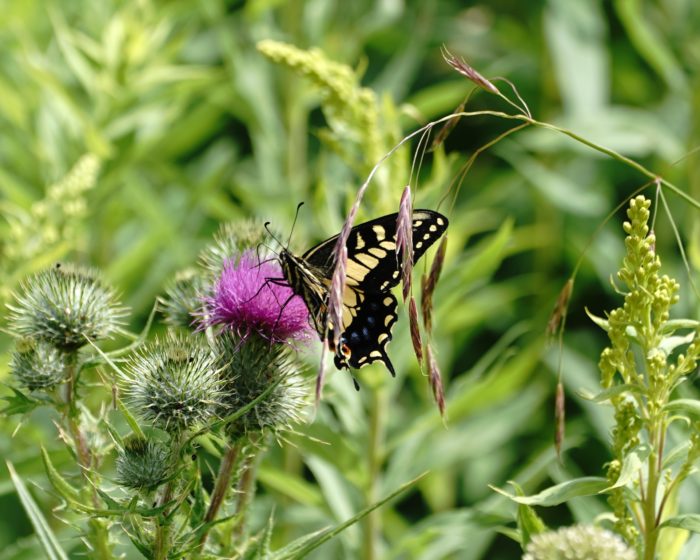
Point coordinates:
[(673, 325), (684, 407), (68, 492), (676, 455), (651, 45), (529, 523), (688, 521), (555, 495), (631, 465), (608, 393), (670, 343), (19, 403), (291, 486), (304, 545), (602, 323), (47, 539)]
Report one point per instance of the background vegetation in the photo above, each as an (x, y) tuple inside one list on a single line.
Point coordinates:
[(177, 123)]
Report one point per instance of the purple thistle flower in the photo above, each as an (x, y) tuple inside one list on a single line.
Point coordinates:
[(245, 301)]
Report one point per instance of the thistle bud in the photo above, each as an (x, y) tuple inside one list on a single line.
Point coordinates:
[(143, 464), (37, 365), (231, 239), (65, 306), (250, 367), (182, 302), (174, 383)]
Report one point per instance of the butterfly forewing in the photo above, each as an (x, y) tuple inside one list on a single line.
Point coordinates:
[(372, 270)]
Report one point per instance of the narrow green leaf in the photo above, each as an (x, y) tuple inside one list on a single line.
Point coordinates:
[(631, 465), (60, 484), (304, 545), (685, 407), (236, 415), (676, 455), (675, 324), (19, 403), (608, 393), (602, 323), (291, 486), (529, 523), (670, 343), (47, 539), (555, 495), (133, 424), (688, 521)]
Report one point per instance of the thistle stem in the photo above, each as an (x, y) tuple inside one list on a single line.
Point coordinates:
[(221, 486), (246, 491), (162, 539), (98, 529)]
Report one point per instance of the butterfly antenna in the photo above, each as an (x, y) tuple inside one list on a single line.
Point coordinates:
[(266, 225), (270, 249), (296, 215)]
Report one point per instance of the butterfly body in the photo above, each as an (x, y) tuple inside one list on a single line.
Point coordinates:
[(372, 270)]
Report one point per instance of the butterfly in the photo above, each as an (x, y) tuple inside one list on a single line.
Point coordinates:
[(372, 270)]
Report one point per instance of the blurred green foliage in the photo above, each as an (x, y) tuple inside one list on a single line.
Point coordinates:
[(191, 125)]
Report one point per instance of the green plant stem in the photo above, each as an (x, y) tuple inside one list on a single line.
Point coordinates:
[(221, 486), (540, 124), (161, 543), (650, 529), (98, 529), (246, 491), (372, 523)]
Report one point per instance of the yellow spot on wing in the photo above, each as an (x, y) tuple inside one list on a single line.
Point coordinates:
[(347, 317), (352, 297), (368, 260), (377, 252), (388, 301), (356, 271), (388, 245), (359, 242), (380, 232)]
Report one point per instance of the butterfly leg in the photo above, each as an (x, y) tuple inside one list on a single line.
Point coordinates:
[(279, 315)]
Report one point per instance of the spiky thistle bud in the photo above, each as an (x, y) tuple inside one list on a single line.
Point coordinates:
[(579, 542), (182, 302), (143, 464), (65, 306), (36, 364), (250, 367), (174, 383), (231, 239)]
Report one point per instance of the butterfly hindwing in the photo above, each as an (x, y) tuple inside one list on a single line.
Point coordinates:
[(369, 328), (372, 270)]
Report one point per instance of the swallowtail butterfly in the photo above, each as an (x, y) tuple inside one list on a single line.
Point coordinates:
[(372, 270)]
